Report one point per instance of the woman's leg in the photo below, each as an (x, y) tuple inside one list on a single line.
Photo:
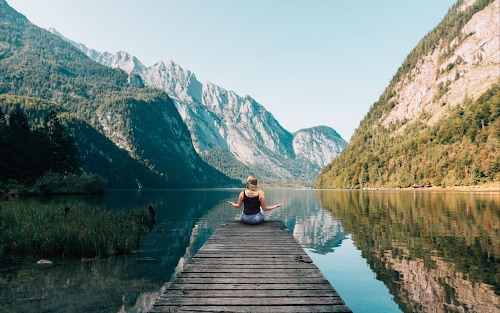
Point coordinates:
[(252, 219)]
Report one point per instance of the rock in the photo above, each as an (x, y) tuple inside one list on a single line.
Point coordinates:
[(130, 298), (135, 80), (43, 261)]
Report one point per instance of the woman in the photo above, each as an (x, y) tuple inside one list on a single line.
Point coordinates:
[(254, 199)]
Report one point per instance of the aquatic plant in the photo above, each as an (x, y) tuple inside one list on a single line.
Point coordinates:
[(79, 230)]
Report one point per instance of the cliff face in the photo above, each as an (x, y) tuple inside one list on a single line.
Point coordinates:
[(222, 122), (319, 144), (468, 65), (438, 121)]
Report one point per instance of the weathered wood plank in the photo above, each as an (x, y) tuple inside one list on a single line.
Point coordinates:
[(255, 253), (288, 274), (294, 257), (260, 309), (254, 293), (250, 301), (250, 268), (245, 280), (245, 261), (255, 245), (301, 286)]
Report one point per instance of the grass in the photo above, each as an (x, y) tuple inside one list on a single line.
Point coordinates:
[(79, 230)]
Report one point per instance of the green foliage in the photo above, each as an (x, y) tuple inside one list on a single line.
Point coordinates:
[(143, 122), (79, 230), (56, 183), (443, 89), (28, 153), (463, 148)]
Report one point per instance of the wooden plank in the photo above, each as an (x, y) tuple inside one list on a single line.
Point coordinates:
[(245, 261), (243, 280), (264, 254), (250, 268), (254, 269), (253, 244), (255, 253), (254, 293), (290, 274), (294, 257), (295, 286), (260, 309), (250, 301)]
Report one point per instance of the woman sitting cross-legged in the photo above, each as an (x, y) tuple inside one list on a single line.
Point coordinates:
[(254, 199)]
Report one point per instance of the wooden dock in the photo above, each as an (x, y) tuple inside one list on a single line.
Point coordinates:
[(250, 268)]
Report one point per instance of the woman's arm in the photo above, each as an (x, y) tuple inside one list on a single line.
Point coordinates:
[(263, 204), (240, 201)]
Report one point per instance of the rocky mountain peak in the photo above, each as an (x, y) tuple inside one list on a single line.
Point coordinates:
[(240, 128), (80, 46), (320, 144)]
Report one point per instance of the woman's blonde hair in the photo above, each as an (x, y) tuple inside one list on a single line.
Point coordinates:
[(252, 190)]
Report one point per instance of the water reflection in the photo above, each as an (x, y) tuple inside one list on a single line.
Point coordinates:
[(436, 252), (186, 219), (383, 251)]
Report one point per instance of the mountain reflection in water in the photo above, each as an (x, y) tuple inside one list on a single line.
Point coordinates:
[(186, 219), (417, 251), (436, 252)]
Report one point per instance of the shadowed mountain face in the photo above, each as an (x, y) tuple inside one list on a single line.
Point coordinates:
[(234, 134), (142, 122), (435, 252)]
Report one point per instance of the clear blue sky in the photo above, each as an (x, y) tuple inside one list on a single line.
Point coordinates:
[(307, 62)]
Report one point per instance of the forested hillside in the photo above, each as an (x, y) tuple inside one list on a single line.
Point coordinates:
[(150, 143), (438, 121), (97, 154)]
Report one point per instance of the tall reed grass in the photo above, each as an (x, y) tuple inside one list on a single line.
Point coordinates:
[(81, 230)]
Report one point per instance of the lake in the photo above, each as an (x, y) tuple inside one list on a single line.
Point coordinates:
[(383, 251)]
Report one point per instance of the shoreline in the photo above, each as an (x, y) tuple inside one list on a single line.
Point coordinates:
[(494, 186)]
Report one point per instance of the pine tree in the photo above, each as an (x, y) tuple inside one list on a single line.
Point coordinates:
[(63, 153), (3, 149), (20, 157)]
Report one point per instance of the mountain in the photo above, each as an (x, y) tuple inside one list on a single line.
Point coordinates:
[(234, 134), (438, 120), (147, 133)]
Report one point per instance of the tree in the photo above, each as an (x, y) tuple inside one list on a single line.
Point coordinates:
[(20, 157), (63, 153), (3, 149)]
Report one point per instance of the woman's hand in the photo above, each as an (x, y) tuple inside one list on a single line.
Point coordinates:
[(240, 201)]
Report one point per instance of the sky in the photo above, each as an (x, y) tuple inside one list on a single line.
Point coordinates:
[(309, 63)]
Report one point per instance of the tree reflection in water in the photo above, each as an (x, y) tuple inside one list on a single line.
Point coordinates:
[(436, 252)]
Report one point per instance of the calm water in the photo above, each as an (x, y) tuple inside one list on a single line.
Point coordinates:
[(383, 251)]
